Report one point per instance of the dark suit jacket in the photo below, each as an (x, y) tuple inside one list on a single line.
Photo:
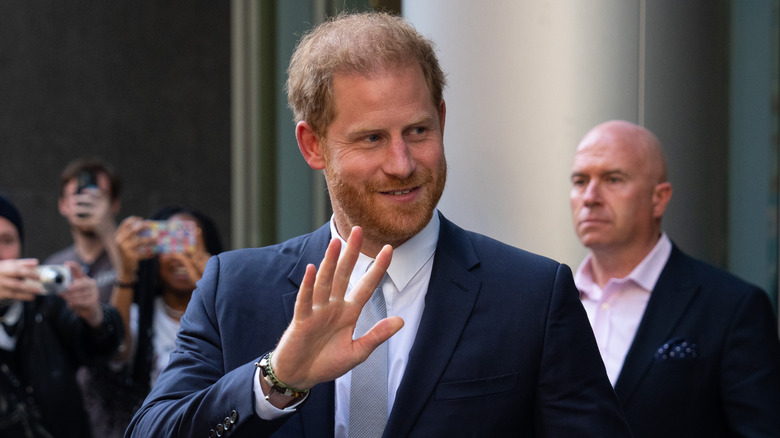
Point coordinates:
[(503, 345), (731, 386)]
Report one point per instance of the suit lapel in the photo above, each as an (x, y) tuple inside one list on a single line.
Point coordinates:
[(668, 303), (451, 295)]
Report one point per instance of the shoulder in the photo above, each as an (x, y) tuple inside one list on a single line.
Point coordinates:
[(271, 269), (497, 265), (717, 285), (488, 250), (267, 257), (707, 274)]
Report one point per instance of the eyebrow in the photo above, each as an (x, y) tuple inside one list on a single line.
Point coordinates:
[(601, 174)]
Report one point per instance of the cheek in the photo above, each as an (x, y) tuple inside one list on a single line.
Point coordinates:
[(165, 262), (10, 251)]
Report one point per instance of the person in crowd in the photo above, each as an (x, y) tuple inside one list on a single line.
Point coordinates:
[(89, 201), (466, 336), (49, 326), (692, 351), (154, 285)]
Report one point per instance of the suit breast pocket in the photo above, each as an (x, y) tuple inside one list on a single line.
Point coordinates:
[(481, 387)]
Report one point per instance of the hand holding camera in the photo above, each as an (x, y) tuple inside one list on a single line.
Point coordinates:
[(19, 279), (82, 296), (91, 206)]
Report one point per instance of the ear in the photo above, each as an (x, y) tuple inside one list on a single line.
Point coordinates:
[(310, 145), (442, 114), (662, 193)]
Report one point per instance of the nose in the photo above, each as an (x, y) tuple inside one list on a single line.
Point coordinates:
[(590, 195), (399, 161)]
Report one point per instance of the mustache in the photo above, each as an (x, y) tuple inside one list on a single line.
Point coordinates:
[(395, 184)]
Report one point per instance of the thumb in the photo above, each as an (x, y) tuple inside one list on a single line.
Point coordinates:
[(75, 269)]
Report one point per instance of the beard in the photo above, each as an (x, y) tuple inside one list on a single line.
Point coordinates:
[(382, 223)]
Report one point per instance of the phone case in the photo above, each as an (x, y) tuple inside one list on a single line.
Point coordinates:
[(171, 236)]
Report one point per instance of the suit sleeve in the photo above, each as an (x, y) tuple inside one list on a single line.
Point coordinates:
[(195, 394), (575, 396), (750, 375)]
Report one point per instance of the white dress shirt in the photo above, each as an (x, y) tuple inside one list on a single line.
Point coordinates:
[(404, 289), (616, 311)]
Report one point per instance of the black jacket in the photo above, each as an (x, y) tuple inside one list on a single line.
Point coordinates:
[(41, 371)]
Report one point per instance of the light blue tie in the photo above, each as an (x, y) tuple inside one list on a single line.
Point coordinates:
[(368, 391)]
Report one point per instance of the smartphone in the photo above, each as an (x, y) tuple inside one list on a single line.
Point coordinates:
[(170, 236), (85, 180)]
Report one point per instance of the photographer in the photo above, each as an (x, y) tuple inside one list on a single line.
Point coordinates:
[(89, 201), (44, 338)]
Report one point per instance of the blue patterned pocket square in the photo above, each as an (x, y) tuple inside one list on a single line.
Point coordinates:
[(676, 349)]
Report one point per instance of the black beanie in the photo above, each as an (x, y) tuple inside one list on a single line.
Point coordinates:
[(9, 211)]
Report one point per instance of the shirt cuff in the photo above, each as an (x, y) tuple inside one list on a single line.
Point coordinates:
[(263, 408)]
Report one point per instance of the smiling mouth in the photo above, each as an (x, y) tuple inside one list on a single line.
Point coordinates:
[(400, 192)]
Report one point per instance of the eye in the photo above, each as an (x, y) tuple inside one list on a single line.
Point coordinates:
[(418, 130), (578, 181), (373, 138)]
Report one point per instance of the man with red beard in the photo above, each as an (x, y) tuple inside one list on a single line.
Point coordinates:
[(469, 336), (691, 350)]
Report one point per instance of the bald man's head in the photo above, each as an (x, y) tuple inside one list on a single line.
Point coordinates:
[(619, 188)]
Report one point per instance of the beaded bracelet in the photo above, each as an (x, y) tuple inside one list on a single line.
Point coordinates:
[(276, 384)]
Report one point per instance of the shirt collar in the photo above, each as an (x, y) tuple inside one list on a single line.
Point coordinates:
[(408, 258), (645, 274)]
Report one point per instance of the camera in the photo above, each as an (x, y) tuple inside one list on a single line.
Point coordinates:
[(54, 279)]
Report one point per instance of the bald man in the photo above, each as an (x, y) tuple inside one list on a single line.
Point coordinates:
[(691, 350)]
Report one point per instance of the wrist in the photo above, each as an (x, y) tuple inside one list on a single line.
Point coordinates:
[(97, 317), (275, 385), (126, 282)]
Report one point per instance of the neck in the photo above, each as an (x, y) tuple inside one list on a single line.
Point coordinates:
[(88, 245), (175, 305), (607, 264)]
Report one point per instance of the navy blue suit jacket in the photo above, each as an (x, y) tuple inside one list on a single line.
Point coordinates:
[(504, 346), (728, 384)]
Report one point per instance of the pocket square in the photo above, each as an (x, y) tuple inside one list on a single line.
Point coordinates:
[(676, 349)]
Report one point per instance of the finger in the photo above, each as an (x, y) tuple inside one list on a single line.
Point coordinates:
[(347, 263), (18, 289), (25, 269), (200, 246), (75, 269), (303, 302), (324, 283), (374, 337), (372, 278)]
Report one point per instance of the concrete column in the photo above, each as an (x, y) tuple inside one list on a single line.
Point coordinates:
[(527, 79)]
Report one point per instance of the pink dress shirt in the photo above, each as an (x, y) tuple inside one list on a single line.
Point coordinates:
[(616, 311)]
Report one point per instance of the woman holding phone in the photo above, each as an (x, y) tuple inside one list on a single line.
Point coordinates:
[(161, 260)]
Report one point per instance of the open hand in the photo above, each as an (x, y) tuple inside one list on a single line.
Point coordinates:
[(318, 346)]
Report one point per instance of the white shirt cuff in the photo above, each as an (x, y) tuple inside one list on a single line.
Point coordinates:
[(263, 408)]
